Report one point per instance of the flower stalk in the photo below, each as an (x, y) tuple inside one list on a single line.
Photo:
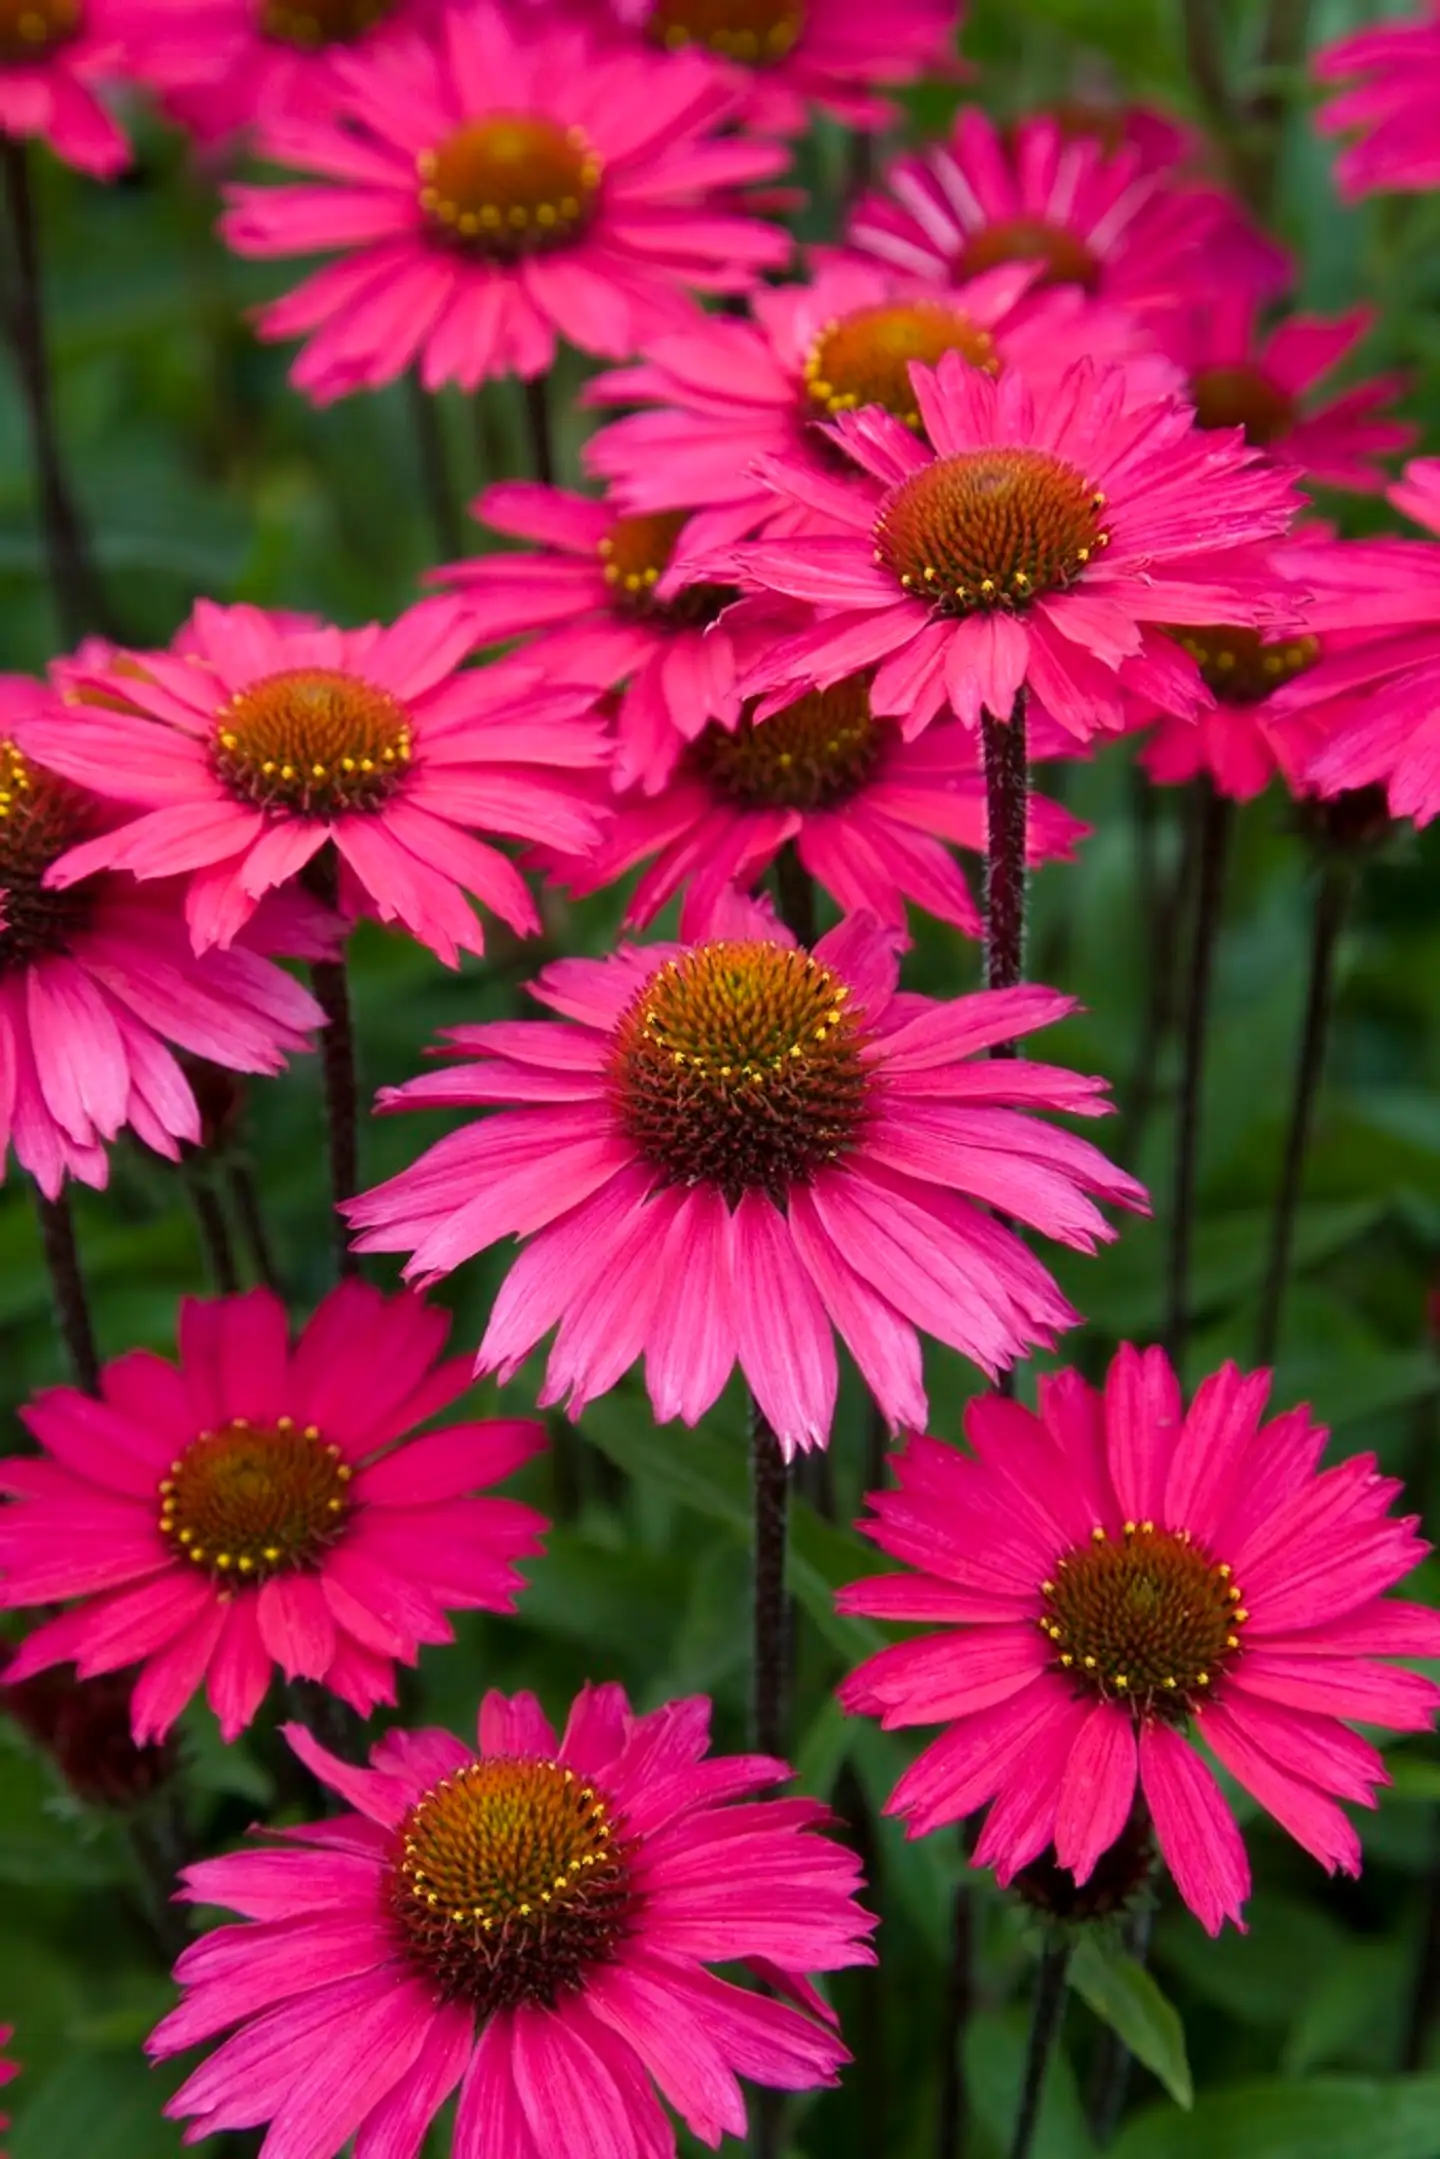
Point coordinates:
[(1214, 818), (1046, 2018), (67, 1284)]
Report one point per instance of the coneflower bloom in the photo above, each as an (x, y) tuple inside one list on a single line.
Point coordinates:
[(784, 57), (729, 393), (1120, 227), (609, 604), (56, 56), (1117, 1577), (1235, 744), (99, 987), (266, 743), (736, 1150), (871, 816), (224, 65), (1393, 110), (265, 1503), (1035, 538), (1242, 377), (531, 1918), (496, 186), (1370, 711)]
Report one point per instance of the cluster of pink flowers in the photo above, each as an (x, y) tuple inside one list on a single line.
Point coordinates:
[(1027, 448)]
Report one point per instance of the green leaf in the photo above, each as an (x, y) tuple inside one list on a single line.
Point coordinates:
[(104, 2105), (1124, 1995), (1327, 2118)]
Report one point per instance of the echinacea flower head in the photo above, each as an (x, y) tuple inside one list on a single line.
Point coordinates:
[(1032, 540), (1392, 109), (56, 56), (606, 603), (265, 744), (498, 184), (784, 57), (265, 1502), (1241, 376), (734, 1150), (1118, 1578), (99, 988), (1369, 713), (714, 399), (1117, 225), (84, 1727), (871, 817), (226, 66), (1233, 743), (530, 1918)]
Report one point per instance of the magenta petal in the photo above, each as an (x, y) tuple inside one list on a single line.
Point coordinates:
[(395, 2128), (570, 2100), (297, 1625), (1196, 1830), (1097, 1790)]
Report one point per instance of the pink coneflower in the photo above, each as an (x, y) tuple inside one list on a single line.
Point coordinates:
[(99, 986), (55, 55), (784, 56), (1370, 711), (1242, 377), (497, 186), (1236, 744), (731, 392), (615, 608), (737, 1150), (265, 1503), (530, 1918), (1116, 225), (225, 66), (1119, 1576), (266, 743), (871, 816), (1394, 109), (1034, 539)]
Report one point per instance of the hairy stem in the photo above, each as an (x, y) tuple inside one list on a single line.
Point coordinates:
[(1214, 817), (214, 1231), (1046, 2017), (770, 1482), (245, 1197), (1007, 785), (67, 1285)]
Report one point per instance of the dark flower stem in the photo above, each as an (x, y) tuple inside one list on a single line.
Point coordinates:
[(436, 479), (770, 1482), (79, 601), (331, 984), (1007, 789), (245, 1197), (1047, 2014), (1214, 816), (1162, 902), (950, 2137), (1331, 903), (1425, 1999), (214, 1231), (1110, 2076), (537, 426), (795, 895), (67, 1283)]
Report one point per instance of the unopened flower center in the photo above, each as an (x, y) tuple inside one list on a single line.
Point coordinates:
[(635, 554), (312, 24), (1243, 397), (510, 1883), (757, 33), (1239, 667), (1065, 257), (989, 528), (819, 752), (313, 741), (41, 818), (511, 184), (32, 29), (250, 1501), (865, 359), (739, 1066), (1146, 1618)]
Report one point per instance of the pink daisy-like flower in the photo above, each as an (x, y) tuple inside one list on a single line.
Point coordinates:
[(265, 743), (1370, 711), (1034, 539), (730, 393), (1236, 743), (784, 56), (1117, 1575), (225, 66), (99, 987), (1120, 227), (496, 186), (55, 56), (1241, 377), (264, 1503), (531, 1918), (871, 816), (609, 604), (737, 1149), (1393, 110)]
